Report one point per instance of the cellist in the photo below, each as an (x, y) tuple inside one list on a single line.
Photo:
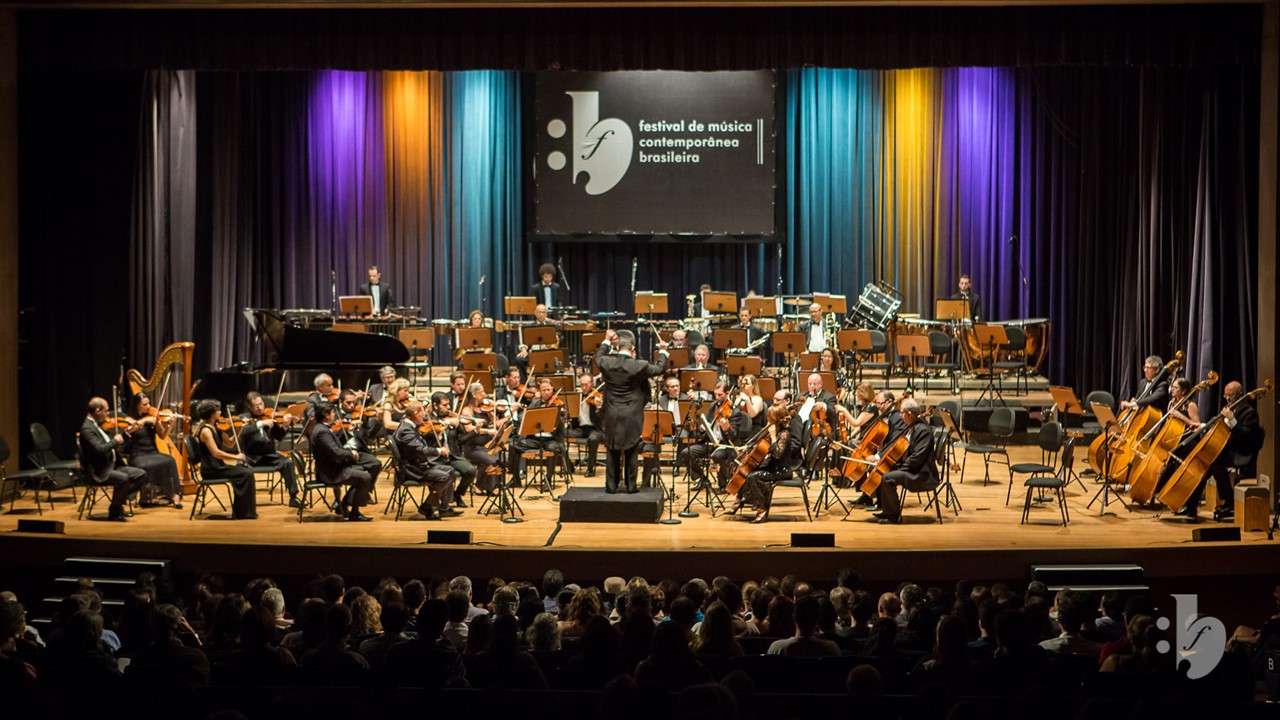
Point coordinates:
[(1241, 450), (916, 470), (1152, 389), (785, 434)]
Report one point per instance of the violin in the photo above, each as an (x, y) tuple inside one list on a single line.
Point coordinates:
[(226, 425), (819, 425), (432, 427), (118, 423), (275, 416)]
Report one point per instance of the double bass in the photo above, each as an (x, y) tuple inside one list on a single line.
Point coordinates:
[(1187, 477), (1161, 440), (1133, 425)]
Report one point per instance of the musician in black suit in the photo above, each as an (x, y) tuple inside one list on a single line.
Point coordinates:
[(626, 381), (1241, 451), (337, 465), (716, 438), (381, 294), (701, 359), (100, 462), (915, 471), (754, 331), (814, 329), (258, 438), (547, 290), (586, 425), (378, 390), (1153, 389), (551, 440), (363, 430), (457, 433), (669, 401), (424, 462), (965, 292)]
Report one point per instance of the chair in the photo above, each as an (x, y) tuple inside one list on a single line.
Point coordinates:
[(793, 479), (1017, 346), (1057, 482), (204, 488), (940, 347), (1050, 441), (1000, 425), (939, 439), (401, 489), (1090, 426), (38, 478), (42, 456), (879, 346)]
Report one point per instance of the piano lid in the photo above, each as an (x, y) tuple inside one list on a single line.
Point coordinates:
[(289, 346)]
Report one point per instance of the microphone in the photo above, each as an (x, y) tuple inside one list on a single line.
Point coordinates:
[(634, 264), (482, 280), (1013, 239)]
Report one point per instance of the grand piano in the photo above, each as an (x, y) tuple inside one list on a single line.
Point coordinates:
[(287, 345)]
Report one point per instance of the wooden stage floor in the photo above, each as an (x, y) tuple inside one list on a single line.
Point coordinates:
[(985, 540)]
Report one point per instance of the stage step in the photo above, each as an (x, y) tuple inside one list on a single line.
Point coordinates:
[(115, 577), (1123, 577)]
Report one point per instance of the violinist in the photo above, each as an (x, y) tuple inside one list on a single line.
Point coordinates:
[(258, 437), (215, 439), (1153, 389), (476, 444), (324, 392), (142, 449), (425, 463), (1240, 451), (394, 404), (814, 329), (356, 430), (668, 400), (552, 442), (453, 433), (785, 435), (100, 461), (585, 426), (916, 470), (509, 390), (337, 464), (721, 426), (378, 390), (749, 401), (626, 381), (457, 388)]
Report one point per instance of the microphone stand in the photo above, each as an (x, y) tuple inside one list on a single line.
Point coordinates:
[(1017, 258)]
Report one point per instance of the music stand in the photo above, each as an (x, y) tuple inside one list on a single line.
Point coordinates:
[(484, 361), (810, 361), (355, 304), (1066, 400), (418, 341), (564, 383), (736, 365), (547, 361), (952, 310), (730, 338), (519, 304), (761, 306), (837, 304), (767, 387), (859, 340), (534, 422), (486, 381), (699, 381), (720, 302), (348, 327), (991, 337), (788, 343), (572, 402), (544, 335), (591, 341), (1110, 424), (676, 357), (915, 347), (473, 339), (650, 303), (504, 497)]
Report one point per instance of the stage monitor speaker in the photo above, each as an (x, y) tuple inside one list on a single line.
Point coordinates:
[(54, 527), (1216, 534), (448, 537), (813, 539)]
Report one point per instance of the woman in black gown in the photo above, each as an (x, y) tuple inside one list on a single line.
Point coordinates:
[(142, 452)]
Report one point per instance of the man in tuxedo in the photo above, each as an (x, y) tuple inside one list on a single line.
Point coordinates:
[(336, 465), (669, 401), (965, 292), (425, 463), (381, 294), (626, 389), (814, 329), (547, 290), (258, 437), (378, 390), (100, 460), (716, 431), (915, 470), (754, 331), (585, 425), (552, 440), (1153, 389)]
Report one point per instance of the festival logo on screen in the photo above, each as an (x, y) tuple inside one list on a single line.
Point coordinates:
[(601, 148), (1200, 638)]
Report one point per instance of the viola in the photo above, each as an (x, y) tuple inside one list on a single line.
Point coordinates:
[(819, 425)]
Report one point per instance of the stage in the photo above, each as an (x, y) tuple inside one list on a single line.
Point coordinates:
[(984, 541)]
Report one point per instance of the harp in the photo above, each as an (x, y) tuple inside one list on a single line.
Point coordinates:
[(174, 358)]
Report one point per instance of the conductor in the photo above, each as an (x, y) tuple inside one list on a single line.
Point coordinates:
[(626, 389)]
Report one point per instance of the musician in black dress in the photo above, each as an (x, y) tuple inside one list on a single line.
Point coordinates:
[(337, 465), (258, 438), (626, 389), (99, 460), (915, 471), (481, 445), (214, 446), (426, 463), (1153, 389), (141, 447), (785, 435)]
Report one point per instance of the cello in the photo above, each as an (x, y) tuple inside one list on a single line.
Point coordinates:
[(1163, 438), (1133, 424), (890, 457), (856, 465), (755, 453), (1187, 477)]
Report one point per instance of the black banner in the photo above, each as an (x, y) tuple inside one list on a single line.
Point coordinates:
[(655, 153)]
